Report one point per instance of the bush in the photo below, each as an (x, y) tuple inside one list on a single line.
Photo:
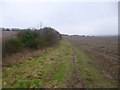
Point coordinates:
[(50, 36), (29, 38), (39, 39), (45, 37), (12, 46)]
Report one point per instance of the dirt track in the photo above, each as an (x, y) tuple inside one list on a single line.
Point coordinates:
[(103, 52), (76, 80)]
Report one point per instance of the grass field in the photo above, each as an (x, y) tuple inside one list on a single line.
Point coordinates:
[(62, 66)]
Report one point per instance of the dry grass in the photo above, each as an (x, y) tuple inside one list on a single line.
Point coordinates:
[(61, 67), (46, 70), (5, 36), (8, 34), (19, 57)]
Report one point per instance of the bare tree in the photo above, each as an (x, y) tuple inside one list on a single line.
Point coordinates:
[(40, 26)]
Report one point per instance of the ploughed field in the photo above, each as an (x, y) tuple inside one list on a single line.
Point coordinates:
[(102, 51)]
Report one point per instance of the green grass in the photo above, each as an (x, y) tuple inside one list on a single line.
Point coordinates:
[(52, 68), (44, 70), (91, 75)]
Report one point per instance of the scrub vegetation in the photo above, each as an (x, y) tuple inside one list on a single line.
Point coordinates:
[(62, 66), (32, 39), (53, 60)]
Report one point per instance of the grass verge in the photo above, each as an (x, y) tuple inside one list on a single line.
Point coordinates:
[(51, 69), (46, 70)]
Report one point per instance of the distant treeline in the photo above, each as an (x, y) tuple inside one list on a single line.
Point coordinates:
[(77, 35), (31, 39), (12, 29), (17, 29)]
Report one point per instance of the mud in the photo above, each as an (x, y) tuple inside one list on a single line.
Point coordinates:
[(76, 80)]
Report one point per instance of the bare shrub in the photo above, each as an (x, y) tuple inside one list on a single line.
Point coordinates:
[(12, 46)]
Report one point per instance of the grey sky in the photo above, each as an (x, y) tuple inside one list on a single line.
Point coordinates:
[(90, 18)]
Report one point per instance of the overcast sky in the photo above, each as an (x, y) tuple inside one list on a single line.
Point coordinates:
[(89, 18)]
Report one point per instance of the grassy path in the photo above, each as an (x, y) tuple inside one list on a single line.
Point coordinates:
[(62, 66), (46, 70), (92, 76), (75, 81)]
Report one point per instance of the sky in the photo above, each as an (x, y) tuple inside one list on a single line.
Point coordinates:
[(73, 18)]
